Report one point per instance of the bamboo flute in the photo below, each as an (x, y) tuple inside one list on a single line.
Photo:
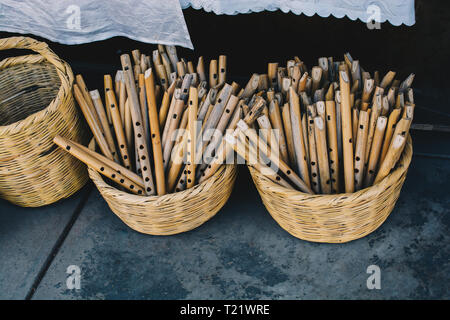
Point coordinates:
[(286, 115), (143, 104), (376, 112), (87, 98), (209, 100), (347, 139), (192, 125), (387, 80), (222, 69), (114, 165), (337, 98), (223, 151), (108, 85), (164, 108), (375, 151), (355, 119), (97, 165), (172, 53), (201, 69), (118, 128), (253, 137), (272, 69), (175, 97), (360, 149), (221, 154), (297, 134), (220, 128), (137, 125), (128, 126), (266, 132), (122, 98), (154, 132), (174, 121), (322, 155), (315, 182), (180, 69), (277, 124), (95, 95), (305, 135), (92, 122), (118, 81), (251, 87), (333, 145), (213, 77), (392, 121), (392, 157), (316, 75), (176, 161), (163, 78), (239, 147)]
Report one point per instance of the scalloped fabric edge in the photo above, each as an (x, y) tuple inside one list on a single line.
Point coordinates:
[(300, 7)]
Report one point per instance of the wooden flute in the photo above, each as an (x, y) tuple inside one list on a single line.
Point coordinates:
[(95, 95), (108, 85), (253, 137), (297, 134), (347, 139), (137, 125), (92, 122), (118, 128), (97, 165), (322, 155), (375, 151), (392, 157), (330, 109), (277, 124), (192, 124), (360, 149), (154, 132)]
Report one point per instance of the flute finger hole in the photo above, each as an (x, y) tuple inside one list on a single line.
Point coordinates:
[(147, 179), (149, 189)]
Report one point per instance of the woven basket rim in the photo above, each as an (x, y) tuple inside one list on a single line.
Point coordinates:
[(66, 77), (102, 186), (375, 189)]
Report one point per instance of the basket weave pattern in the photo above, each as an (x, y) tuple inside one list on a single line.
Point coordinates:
[(36, 104), (171, 213), (335, 218)]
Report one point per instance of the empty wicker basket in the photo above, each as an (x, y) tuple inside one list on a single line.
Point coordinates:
[(171, 213), (335, 218), (36, 104)]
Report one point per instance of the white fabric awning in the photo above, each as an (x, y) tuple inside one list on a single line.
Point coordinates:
[(162, 21), (82, 21), (397, 12)]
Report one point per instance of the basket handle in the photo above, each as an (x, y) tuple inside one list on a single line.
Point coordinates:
[(36, 46)]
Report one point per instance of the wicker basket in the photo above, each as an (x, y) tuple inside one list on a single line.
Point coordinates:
[(334, 218), (36, 104), (172, 213)]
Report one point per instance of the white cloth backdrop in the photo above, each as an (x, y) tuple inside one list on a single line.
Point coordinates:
[(396, 12), (81, 21), (162, 21)]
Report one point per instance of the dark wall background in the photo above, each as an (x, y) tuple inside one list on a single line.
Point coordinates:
[(251, 40)]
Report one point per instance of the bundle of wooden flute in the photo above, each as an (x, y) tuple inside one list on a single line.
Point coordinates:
[(338, 128), (136, 128)]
